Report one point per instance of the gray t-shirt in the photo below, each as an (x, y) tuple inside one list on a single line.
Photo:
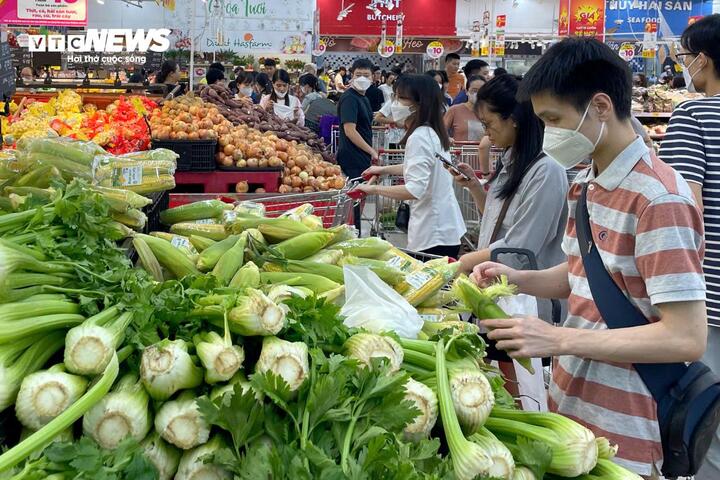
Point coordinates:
[(535, 219)]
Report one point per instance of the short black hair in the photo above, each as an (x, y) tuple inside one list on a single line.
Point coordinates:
[(342, 68), (375, 68), (451, 56), (474, 78), (474, 65), (269, 62), (362, 64), (213, 75), (577, 68), (217, 66), (703, 36), (499, 71), (310, 80)]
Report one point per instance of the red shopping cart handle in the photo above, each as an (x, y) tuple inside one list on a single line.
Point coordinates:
[(356, 194)]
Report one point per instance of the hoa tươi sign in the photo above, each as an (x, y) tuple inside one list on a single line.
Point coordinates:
[(56, 13)]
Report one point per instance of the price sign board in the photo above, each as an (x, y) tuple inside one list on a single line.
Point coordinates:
[(387, 49), (435, 49), (321, 49), (501, 21), (627, 51), (648, 53), (7, 72)]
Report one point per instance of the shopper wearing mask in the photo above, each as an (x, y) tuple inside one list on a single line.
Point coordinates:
[(314, 104), (472, 68), (646, 230), (692, 147), (355, 151), (525, 205), (310, 90), (461, 120), (436, 224), (244, 86), (387, 87), (452, 70), (280, 102)]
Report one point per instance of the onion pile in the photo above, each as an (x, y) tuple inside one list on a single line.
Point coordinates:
[(188, 118)]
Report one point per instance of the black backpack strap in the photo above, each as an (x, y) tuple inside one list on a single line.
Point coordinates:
[(616, 309)]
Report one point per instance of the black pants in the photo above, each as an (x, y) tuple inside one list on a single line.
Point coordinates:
[(444, 251), (353, 172)]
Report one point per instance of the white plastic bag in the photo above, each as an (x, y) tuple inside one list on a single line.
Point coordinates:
[(531, 386), (373, 305), (283, 111)]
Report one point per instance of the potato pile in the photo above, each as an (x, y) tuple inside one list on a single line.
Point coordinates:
[(188, 118), (246, 113), (303, 170)]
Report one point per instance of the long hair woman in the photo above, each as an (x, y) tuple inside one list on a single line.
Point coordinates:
[(525, 205), (436, 224), (280, 101)]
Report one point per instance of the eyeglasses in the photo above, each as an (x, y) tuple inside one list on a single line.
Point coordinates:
[(682, 55)]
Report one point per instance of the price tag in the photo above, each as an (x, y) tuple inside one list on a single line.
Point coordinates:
[(129, 175), (418, 279), (435, 49), (430, 318), (181, 243), (627, 51), (321, 49), (229, 216), (206, 221), (648, 53), (387, 49), (399, 263)]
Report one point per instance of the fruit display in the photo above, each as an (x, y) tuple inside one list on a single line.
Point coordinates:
[(224, 354), (656, 130), (119, 129), (187, 118), (303, 170), (659, 98), (246, 113)]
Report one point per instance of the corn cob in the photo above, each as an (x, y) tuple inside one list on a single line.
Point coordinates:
[(210, 256), (170, 257), (180, 242), (133, 218), (328, 256), (248, 276), (439, 299), (79, 152), (147, 258), (390, 275), (401, 260), (122, 200), (483, 306), (149, 184), (194, 211), (343, 233), (422, 284), (331, 272), (313, 222), (371, 247), (213, 232), (201, 243), (231, 261), (279, 229), (250, 209), (300, 211), (304, 245), (242, 223), (316, 283)]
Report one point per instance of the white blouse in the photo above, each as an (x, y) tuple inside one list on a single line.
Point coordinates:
[(286, 112), (435, 217)]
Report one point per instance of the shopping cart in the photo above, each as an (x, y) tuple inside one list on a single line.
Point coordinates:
[(379, 138), (386, 208), (335, 207)]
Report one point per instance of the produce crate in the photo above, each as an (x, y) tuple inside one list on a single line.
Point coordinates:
[(195, 155), (161, 201), (219, 182)]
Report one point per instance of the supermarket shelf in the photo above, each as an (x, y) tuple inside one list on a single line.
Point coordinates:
[(219, 181), (652, 114)]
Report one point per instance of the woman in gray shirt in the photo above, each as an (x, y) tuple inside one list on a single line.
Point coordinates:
[(528, 185)]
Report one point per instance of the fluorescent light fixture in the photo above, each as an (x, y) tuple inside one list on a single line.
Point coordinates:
[(101, 2)]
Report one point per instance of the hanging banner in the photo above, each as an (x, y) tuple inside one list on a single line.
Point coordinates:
[(250, 27), (627, 18), (435, 49), (399, 34), (57, 13), (586, 18), (564, 18), (501, 21), (370, 45), (499, 44), (426, 18)]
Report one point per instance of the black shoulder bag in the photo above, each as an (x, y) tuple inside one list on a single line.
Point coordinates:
[(687, 395)]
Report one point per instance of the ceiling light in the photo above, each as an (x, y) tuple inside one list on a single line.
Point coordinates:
[(101, 2)]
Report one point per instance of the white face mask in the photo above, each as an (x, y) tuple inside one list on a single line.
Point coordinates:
[(279, 94), (246, 91), (361, 83), (689, 77), (440, 85), (400, 112), (472, 97), (569, 147)]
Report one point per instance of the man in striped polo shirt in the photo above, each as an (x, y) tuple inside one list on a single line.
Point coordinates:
[(649, 234), (692, 147)]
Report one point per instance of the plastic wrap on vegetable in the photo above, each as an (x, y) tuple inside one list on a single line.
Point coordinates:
[(250, 208), (77, 151), (9, 165), (141, 172)]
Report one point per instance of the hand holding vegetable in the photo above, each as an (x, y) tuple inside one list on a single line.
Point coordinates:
[(524, 337), (487, 273)]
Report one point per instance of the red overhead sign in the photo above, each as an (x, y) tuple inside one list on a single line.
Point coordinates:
[(422, 18)]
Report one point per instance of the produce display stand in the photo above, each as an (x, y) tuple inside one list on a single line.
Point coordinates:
[(223, 181), (100, 100)]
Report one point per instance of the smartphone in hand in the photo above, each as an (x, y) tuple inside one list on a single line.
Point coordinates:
[(451, 166)]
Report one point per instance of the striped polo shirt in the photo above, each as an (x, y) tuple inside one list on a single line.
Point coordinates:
[(692, 147), (650, 237)]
